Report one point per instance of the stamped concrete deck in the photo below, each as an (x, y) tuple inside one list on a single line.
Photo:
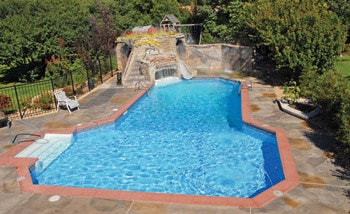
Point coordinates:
[(324, 185)]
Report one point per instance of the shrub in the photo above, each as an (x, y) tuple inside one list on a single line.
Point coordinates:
[(292, 92), (46, 101), (344, 119), (26, 104), (79, 89), (68, 90), (296, 34), (5, 102), (330, 91)]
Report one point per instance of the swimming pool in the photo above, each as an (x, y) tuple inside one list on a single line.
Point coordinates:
[(183, 138)]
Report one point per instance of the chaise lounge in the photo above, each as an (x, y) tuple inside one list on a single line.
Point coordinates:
[(64, 101)]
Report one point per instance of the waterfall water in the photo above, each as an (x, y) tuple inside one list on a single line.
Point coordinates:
[(165, 72), (167, 81)]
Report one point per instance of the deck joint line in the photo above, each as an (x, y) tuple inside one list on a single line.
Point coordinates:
[(328, 185), (132, 204)]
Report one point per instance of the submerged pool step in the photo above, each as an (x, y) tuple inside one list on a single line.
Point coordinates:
[(47, 149)]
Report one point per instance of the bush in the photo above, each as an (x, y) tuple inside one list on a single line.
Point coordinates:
[(5, 102), (292, 91), (68, 90), (331, 91), (44, 101), (344, 118), (296, 34)]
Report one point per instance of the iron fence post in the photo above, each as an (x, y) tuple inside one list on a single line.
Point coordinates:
[(71, 76), (18, 104), (88, 80), (111, 64), (100, 70), (53, 92)]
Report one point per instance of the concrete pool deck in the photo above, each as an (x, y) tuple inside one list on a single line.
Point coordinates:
[(324, 186)]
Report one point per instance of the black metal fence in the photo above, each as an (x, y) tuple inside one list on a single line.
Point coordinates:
[(32, 99)]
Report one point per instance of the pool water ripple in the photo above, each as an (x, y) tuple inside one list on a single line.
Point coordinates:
[(184, 138)]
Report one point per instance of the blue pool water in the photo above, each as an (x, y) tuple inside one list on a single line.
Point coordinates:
[(185, 138)]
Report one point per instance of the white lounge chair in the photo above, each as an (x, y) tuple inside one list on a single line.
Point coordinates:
[(63, 100)]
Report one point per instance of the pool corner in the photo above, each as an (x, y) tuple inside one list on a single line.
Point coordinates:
[(291, 179)]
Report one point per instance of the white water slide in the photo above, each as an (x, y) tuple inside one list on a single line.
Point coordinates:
[(185, 72)]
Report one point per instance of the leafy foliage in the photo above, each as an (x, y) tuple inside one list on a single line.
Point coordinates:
[(29, 30), (342, 9), (130, 13), (331, 91), (292, 91), (300, 37), (343, 65), (98, 40), (29, 34), (44, 101), (5, 102), (220, 20), (57, 66), (297, 34)]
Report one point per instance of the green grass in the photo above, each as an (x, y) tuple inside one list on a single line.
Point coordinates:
[(343, 65), (2, 85), (24, 93)]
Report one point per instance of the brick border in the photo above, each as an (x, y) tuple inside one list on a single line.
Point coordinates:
[(291, 176)]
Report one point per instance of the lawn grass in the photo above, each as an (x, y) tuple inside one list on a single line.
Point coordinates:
[(343, 65), (23, 93)]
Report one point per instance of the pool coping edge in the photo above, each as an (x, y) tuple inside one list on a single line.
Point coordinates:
[(289, 168)]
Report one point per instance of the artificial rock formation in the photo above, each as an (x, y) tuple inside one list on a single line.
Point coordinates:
[(145, 59)]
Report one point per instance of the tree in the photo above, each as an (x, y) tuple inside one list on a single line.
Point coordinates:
[(98, 41), (331, 91), (221, 19), (342, 9), (29, 31), (297, 34), (131, 13)]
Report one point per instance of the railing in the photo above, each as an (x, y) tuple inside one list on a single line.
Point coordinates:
[(33, 99), (17, 137), (140, 84), (249, 84)]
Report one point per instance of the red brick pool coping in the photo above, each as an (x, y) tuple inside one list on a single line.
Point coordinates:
[(291, 176)]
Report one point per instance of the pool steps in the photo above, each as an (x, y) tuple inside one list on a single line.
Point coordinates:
[(46, 149), (291, 180), (17, 138)]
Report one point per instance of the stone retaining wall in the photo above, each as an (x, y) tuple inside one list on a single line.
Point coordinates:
[(208, 57), (219, 57)]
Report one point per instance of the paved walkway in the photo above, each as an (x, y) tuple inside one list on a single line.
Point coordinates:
[(325, 187)]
